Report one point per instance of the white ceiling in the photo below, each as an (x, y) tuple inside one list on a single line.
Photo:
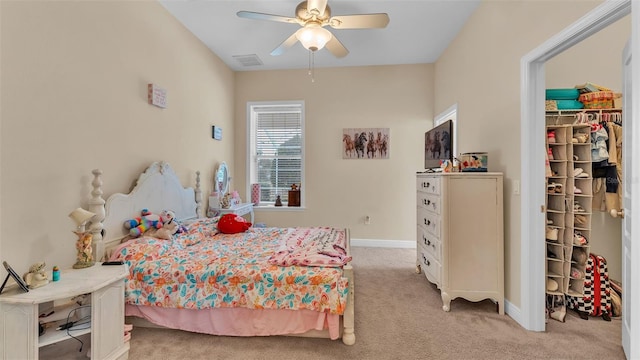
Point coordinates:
[(418, 31)]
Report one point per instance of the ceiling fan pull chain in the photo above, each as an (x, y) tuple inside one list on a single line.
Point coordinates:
[(312, 65)]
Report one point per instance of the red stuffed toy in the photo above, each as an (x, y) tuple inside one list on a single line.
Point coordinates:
[(233, 224)]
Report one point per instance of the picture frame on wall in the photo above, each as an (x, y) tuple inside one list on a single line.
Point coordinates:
[(365, 143)]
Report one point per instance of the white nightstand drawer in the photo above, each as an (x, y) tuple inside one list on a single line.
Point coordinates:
[(431, 221), (429, 184), (429, 242), (430, 267), (430, 202)]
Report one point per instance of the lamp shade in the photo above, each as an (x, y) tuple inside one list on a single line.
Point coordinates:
[(81, 216), (313, 37)]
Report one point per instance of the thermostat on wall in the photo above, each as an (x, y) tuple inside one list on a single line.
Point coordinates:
[(216, 132)]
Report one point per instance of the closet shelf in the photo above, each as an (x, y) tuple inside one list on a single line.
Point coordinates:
[(573, 111)]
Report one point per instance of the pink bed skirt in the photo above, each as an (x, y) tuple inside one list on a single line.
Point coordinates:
[(239, 321)]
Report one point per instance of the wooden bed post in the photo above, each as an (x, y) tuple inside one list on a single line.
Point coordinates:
[(96, 206), (348, 335), (198, 194)]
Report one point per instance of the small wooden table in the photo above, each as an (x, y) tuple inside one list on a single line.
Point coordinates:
[(240, 210)]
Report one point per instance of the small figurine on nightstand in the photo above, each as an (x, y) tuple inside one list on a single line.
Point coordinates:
[(84, 255), (36, 277)]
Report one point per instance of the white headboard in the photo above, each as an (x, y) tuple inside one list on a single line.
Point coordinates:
[(157, 189)]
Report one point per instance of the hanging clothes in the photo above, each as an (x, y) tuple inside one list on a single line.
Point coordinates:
[(607, 172), (613, 200)]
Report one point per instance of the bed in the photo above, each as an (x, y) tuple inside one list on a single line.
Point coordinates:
[(266, 281)]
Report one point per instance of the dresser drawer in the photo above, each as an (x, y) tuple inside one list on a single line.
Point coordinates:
[(430, 266), (429, 242), (430, 185), (430, 202), (430, 221)]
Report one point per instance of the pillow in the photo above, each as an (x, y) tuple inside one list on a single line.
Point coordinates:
[(233, 224), (206, 226)]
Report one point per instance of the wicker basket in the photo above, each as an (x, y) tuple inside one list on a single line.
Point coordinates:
[(597, 100)]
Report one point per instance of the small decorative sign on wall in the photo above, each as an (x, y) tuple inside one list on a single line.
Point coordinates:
[(157, 96), (216, 132)]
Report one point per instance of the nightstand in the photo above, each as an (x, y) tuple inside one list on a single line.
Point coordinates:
[(240, 210), (19, 313)]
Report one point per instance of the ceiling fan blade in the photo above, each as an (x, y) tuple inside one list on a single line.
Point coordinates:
[(363, 21), (336, 48), (285, 45), (319, 5), (269, 17)]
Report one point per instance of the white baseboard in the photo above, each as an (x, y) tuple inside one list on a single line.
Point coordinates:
[(399, 244), (513, 311)]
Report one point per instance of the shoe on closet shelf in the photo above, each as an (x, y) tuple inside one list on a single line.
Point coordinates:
[(576, 274), (575, 158), (579, 173), (580, 220), (577, 208), (550, 153), (576, 190), (549, 222), (552, 285), (579, 256), (551, 233), (554, 187), (579, 239), (580, 137), (551, 137)]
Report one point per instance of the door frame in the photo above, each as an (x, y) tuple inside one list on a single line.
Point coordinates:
[(532, 129)]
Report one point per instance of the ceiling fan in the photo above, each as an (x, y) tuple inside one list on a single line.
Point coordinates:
[(313, 16)]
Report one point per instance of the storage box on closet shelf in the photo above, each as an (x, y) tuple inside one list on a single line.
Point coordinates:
[(562, 99), (597, 100), (595, 96)]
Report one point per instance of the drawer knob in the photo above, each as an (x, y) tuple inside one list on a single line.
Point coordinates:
[(428, 263), (428, 202), (427, 222), (424, 202)]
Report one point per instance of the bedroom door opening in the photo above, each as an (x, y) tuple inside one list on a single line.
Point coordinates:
[(532, 170)]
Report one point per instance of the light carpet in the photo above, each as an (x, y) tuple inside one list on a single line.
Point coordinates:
[(398, 316)]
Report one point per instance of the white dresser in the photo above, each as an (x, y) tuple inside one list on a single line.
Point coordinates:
[(460, 235)]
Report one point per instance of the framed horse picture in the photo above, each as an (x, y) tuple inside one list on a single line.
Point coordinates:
[(365, 143)]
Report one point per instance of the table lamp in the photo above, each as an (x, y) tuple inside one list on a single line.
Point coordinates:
[(84, 256)]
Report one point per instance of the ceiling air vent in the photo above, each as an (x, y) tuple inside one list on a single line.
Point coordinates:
[(248, 60)]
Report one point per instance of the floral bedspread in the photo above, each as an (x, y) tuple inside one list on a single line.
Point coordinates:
[(204, 269)]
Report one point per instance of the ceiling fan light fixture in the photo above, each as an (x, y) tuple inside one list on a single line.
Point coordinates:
[(313, 38)]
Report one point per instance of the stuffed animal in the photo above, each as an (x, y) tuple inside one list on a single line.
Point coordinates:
[(147, 220), (170, 225), (232, 224)]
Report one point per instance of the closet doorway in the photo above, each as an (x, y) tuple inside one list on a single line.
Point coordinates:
[(532, 171)]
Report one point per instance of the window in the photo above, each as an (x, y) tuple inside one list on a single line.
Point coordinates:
[(275, 155)]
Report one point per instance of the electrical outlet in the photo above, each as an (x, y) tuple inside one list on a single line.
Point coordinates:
[(516, 187), (367, 220)]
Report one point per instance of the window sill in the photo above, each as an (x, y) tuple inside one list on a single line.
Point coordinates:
[(278, 208)]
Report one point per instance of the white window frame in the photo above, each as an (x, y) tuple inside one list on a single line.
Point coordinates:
[(251, 152)]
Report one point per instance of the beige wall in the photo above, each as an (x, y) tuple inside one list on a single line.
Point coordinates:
[(342, 192), (74, 78), (480, 71)]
